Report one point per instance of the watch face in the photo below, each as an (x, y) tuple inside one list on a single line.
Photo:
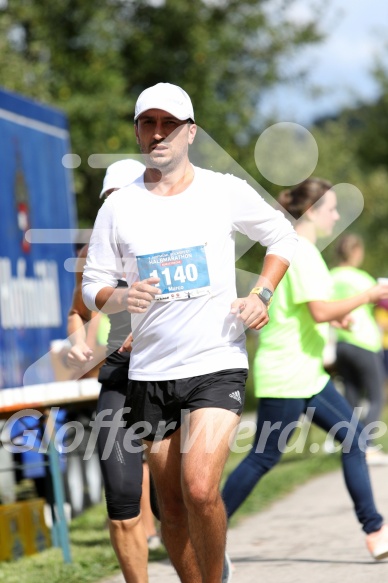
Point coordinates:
[(266, 295)]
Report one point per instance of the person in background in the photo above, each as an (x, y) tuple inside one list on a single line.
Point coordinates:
[(131, 523), (359, 356), (381, 314), (288, 370)]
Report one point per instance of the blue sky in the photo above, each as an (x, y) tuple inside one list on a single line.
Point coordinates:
[(357, 32)]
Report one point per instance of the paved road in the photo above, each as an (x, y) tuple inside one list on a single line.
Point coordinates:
[(311, 535)]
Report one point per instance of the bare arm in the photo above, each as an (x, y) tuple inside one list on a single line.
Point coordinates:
[(274, 269), (323, 311), (251, 310), (79, 314), (77, 320), (127, 344)]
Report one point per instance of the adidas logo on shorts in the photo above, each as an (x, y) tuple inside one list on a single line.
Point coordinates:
[(236, 395)]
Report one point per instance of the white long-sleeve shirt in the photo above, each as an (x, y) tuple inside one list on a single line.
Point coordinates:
[(188, 241)]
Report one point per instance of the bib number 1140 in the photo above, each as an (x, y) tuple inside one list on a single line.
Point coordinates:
[(181, 273)]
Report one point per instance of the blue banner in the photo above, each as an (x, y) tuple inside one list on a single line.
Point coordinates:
[(35, 193)]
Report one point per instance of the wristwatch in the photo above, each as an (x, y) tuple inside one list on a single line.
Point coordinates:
[(264, 294)]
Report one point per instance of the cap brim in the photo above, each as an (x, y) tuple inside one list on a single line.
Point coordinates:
[(165, 107)]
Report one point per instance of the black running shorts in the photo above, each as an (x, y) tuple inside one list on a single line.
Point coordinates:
[(156, 406)]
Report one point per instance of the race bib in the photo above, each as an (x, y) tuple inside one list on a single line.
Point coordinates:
[(183, 272)]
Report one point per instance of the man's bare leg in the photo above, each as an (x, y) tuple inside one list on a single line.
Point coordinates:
[(145, 504), (192, 510), (202, 467), (130, 544), (165, 466)]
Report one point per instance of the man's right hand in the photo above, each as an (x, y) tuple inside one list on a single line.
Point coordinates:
[(141, 294)]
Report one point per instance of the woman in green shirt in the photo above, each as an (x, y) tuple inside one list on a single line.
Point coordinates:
[(359, 348), (288, 370)]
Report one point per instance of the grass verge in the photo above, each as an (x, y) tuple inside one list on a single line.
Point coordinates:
[(93, 558)]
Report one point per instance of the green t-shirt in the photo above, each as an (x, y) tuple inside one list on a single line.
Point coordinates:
[(364, 332), (288, 363)]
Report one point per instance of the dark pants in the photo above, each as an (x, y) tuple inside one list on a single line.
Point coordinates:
[(330, 408), (363, 375), (385, 356)]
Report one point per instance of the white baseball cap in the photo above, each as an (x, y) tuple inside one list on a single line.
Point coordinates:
[(167, 97), (121, 173)]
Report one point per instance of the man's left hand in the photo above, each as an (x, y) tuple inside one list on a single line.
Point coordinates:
[(252, 311)]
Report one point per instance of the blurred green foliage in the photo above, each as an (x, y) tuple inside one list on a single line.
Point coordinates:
[(92, 58), (354, 148)]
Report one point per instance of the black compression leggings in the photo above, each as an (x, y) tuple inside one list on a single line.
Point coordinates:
[(122, 470)]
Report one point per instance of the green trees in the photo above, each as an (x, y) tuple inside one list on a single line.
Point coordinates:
[(354, 148), (92, 58)]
